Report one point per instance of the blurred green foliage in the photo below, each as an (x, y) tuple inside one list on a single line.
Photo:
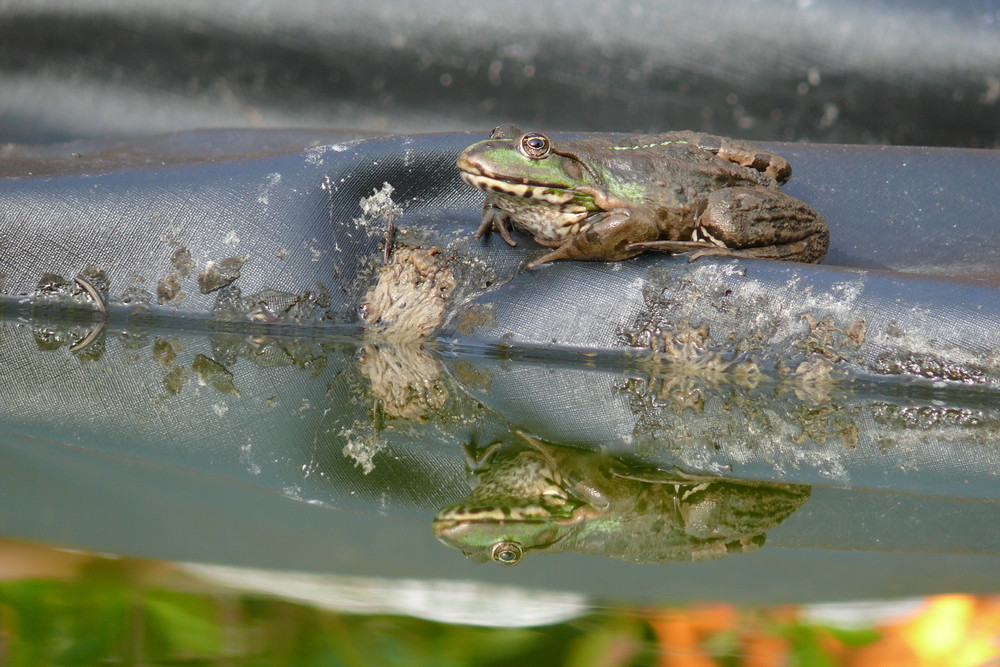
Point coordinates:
[(107, 619), (98, 621)]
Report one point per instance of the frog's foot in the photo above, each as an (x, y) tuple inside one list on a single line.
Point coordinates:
[(788, 251), (567, 250), (478, 459), (495, 219), (653, 475), (702, 247), (698, 249)]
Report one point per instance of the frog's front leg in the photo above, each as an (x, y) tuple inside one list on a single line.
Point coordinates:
[(495, 219), (753, 222), (579, 488), (607, 236)]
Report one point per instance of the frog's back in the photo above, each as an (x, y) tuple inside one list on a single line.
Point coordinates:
[(615, 148), (687, 161)]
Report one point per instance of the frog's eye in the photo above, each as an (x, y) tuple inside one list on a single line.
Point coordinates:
[(507, 553), (535, 146)]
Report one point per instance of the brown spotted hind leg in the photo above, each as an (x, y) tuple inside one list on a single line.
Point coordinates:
[(753, 222)]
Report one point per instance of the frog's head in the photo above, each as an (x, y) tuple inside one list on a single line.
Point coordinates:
[(520, 504), (503, 534), (530, 171)]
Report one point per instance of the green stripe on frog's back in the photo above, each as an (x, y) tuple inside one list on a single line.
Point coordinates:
[(656, 144)]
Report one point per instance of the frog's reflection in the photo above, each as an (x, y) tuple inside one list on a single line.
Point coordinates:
[(557, 499)]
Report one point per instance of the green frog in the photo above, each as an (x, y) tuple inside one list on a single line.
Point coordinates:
[(556, 499), (612, 197)]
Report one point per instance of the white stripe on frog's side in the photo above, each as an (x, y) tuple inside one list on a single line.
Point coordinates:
[(653, 145)]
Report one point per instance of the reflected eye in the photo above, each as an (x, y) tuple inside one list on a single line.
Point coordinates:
[(507, 553), (534, 146)]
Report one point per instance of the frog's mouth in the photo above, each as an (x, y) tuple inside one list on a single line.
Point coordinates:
[(550, 195)]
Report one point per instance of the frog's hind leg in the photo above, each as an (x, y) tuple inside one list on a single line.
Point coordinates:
[(745, 155), (753, 222)]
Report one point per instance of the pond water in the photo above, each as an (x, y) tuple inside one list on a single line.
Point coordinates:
[(345, 472), (349, 455)]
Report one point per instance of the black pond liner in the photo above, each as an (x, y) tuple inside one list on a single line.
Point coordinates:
[(904, 309)]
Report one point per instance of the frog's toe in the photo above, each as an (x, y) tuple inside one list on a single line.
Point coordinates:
[(565, 251), (503, 226), (672, 246), (485, 225), (799, 252), (494, 219), (544, 259), (712, 252)]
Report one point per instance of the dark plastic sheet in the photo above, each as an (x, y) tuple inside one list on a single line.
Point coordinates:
[(924, 218)]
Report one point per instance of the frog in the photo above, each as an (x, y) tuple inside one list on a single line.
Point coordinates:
[(612, 197), (554, 498)]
